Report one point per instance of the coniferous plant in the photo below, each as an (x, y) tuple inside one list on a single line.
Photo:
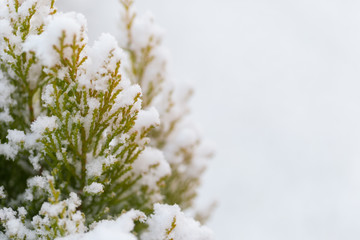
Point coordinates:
[(94, 139)]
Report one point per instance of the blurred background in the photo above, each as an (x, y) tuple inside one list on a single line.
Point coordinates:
[(278, 90)]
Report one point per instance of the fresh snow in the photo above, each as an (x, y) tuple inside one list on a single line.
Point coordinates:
[(94, 188)]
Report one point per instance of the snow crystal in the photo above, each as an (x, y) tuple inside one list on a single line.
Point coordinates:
[(157, 68), (43, 44), (6, 90), (5, 97), (5, 116), (11, 148), (144, 28), (35, 161), (2, 192), (43, 123), (37, 181), (8, 150), (42, 11), (93, 103), (3, 9), (147, 118), (16, 136), (94, 188), (22, 211), (5, 29), (94, 167), (3, 236), (152, 165), (185, 228), (127, 96), (47, 95), (73, 202), (65, 212), (53, 210), (103, 58), (111, 230), (14, 226), (105, 46)]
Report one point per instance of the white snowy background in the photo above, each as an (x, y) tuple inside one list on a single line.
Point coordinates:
[(278, 90)]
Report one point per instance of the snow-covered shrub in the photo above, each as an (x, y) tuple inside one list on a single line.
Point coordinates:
[(176, 136), (94, 142)]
